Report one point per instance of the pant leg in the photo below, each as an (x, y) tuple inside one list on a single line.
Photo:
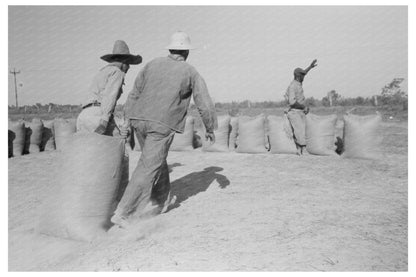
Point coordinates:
[(298, 122), (161, 189), (150, 168)]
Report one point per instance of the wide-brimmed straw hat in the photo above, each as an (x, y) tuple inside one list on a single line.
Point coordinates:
[(121, 53), (180, 41)]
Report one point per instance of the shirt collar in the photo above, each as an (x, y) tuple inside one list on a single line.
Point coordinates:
[(176, 57)]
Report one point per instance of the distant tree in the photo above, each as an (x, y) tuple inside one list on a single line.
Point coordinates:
[(325, 101), (392, 94), (311, 102), (359, 101)]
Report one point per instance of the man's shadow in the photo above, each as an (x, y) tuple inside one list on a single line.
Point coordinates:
[(196, 182)]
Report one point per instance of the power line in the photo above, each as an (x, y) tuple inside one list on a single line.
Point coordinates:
[(14, 72)]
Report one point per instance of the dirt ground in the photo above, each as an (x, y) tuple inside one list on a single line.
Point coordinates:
[(237, 212)]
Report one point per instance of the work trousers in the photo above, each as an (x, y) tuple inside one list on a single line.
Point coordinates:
[(150, 180), (297, 120)]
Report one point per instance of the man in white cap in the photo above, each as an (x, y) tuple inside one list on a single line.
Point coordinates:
[(157, 107), (297, 108), (105, 90)]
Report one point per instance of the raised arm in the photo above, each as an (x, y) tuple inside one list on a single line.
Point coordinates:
[(312, 65)]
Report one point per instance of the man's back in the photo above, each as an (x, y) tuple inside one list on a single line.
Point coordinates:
[(163, 90)]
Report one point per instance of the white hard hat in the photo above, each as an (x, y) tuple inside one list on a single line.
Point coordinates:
[(180, 41)]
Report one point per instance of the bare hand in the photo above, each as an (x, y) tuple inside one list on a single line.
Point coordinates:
[(314, 63), (124, 132), (211, 137)]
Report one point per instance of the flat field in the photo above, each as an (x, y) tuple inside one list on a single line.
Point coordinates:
[(237, 212)]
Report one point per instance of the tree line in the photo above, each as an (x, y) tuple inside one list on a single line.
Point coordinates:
[(391, 95)]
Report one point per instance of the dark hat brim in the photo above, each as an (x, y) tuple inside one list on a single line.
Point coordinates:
[(123, 58)]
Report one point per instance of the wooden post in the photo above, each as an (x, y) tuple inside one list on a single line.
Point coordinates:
[(14, 72)]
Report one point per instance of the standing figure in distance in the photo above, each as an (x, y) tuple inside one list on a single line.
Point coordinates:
[(297, 108)]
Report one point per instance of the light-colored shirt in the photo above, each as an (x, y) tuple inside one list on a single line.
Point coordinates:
[(106, 89), (162, 92), (294, 93)]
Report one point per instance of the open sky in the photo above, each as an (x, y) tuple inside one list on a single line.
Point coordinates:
[(244, 52)]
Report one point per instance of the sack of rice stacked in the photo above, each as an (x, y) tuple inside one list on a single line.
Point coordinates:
[(280, 135), (320, 134), (361, 136), (48, 139), (64, 129), (184, 141), (222, 135), (251, 134), (36, 132), (18, 137), (233, 133)]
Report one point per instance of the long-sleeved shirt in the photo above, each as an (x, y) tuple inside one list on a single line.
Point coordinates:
[(106, 89), (162, 92), (294, 95)]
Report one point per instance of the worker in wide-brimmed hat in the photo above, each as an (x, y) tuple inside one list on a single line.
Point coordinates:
[(105, 90), (297, 107), (156, 108)]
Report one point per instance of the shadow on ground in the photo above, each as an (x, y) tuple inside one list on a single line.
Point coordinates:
[(171, 166), (196, 182)]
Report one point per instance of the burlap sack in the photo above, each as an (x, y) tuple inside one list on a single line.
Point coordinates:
[(251, 134), (222, 135), (320, 134), (48, 138), (64, 130), (18, 137), (362, 136), (199, 138), (36, 127), (233, 133), (82, 200), (280, 135), (183, 142)]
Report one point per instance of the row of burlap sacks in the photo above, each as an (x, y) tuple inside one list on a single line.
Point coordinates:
[(37, 135), (273, 134), (90, 182)]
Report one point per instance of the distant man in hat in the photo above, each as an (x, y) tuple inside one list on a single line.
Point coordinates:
[(157, 107), (297, 107), (105, 90)]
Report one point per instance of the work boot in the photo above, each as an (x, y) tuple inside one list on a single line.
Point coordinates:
[(119, 221), (304, 151)]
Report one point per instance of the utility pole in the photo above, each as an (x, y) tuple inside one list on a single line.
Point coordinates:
[(14, 72)]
